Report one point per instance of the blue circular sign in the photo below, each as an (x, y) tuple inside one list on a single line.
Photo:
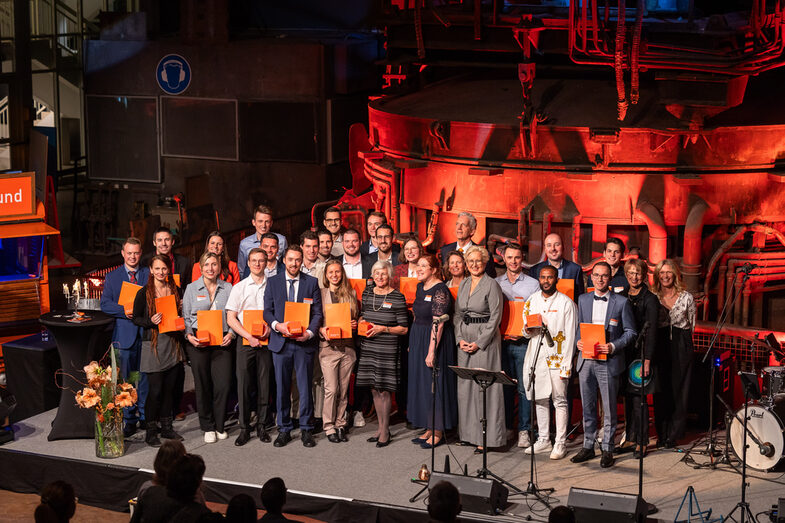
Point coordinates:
[(173, 74)]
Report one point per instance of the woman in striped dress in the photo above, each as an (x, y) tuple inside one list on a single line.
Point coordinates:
[(385, 309)]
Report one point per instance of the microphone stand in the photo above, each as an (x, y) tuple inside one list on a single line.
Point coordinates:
[(643, 426)]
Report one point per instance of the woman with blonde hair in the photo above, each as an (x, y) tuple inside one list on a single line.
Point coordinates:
[(675, 324), (454, 269), (337, 356)]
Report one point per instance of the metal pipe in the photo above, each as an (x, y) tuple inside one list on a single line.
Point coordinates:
[(636, 50), (618, 62), (693, 233), (576, 238), (658, 237)]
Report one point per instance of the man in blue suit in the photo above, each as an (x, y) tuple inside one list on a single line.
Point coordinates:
[(293, 353), (126, 335), (612, 310), (554, 255)]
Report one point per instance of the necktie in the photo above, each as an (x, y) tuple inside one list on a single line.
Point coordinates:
[(291, 290), (600, 298), (132, 276)]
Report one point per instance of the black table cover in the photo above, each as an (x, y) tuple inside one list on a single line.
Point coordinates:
[(30, 365)]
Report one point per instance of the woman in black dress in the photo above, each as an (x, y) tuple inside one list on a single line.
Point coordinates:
[(433, 300), (379, 365)]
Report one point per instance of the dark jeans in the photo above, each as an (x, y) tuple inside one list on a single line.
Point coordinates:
[(162, 389), (254, 367), (129, 362), (212, 368), (513, 353)]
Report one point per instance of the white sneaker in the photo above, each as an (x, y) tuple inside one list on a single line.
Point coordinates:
[(209, 436), (222, 435), (541, 446), (359, 420), (523, 439), (559, 451)]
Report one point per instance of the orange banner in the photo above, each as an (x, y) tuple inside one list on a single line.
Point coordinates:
[(17, 194)]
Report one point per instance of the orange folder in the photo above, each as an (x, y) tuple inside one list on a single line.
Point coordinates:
[(409, 289), (210, 323), (363, 327), (253, 322), (176, 279), (512, 319), (358, 284), (127, 295), (338, 315), (298, 315), (592, 334), (454, 292), (167, 305), (566, 287)]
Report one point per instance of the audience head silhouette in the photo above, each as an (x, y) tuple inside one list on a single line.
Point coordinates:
[(185, 478), (58, 503), (241, 509), (274, 495), (444, 502), (561, 514)]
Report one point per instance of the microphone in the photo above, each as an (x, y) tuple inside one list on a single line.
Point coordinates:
[(747, 268), (441, 319), (766, 449), (547, 334)]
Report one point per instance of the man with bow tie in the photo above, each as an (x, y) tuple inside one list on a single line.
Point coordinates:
[(602, 307)]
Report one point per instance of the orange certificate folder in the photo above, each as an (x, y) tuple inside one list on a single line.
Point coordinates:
[(566, 287), (176, 278), (512, 319), (211, 323), (358, 284), (253, 319), (167, 306), (409, 289), (592, 334), (339, 315), (127, 295), (299, 313), (454, 292), (533, 321)]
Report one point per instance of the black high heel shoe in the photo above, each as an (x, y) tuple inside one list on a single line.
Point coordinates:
[(381, 444)]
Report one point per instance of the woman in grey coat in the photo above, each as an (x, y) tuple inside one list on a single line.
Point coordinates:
[(478, 313)]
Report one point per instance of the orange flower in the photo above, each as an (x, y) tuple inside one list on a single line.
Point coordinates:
[(124, 399), (100, 418), (127, 387), (87, 398), (97, 375), (109, 406)]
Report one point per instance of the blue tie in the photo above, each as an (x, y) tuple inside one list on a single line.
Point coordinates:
[(291, 290)]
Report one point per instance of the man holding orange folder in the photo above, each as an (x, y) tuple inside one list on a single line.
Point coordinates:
[(292, 352), (614, 313), (127, 335), (254, 361)]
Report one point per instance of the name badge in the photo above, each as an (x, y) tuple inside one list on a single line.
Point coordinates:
[(427, 297), (201, 298), (386, 305), (614, 323), (519, 298), (309, 301), (617, 290)]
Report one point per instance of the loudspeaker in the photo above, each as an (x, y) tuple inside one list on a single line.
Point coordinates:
[(592, 506), (479, 495), (781, 510)]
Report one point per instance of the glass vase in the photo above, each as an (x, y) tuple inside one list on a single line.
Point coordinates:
[(109, 441)]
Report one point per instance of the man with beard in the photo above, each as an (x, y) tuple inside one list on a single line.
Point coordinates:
[(325, 245), (552, 365), (312, 265), (567, 270)]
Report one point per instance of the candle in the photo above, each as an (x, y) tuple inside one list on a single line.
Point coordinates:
[(86, 288), (76, 289), (65, 290)]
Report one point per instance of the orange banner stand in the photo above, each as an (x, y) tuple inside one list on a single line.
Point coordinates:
[(253, 322), (298, 315), (210, 323), (592, 334), (338, 316), (512, 319), (170, 322), (409, 289)]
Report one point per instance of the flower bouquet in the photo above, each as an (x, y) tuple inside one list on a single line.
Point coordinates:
[(108, 397)]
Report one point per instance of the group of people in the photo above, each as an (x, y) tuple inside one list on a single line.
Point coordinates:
[(402, 343)]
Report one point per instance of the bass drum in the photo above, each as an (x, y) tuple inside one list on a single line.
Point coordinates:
[(767, 423)]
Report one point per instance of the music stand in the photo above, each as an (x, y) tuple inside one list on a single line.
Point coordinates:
[(485, 378)]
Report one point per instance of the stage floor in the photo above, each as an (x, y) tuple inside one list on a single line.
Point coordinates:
[(360, 471)]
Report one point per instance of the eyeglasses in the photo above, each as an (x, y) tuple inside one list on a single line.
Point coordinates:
[(601, 276)]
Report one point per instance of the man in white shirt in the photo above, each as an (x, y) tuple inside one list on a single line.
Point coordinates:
[(553, 364), (332, 222), (352, 259), (254, 361)]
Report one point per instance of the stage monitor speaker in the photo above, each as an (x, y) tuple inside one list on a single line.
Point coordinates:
[(597, 506), (781, 510), (478, 495)]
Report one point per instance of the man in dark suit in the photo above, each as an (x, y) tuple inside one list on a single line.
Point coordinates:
[(465, 227), (612, 310), (163, 241), (385, 248), (126, 335), (554, 255), (293, 353), (375, 220), (353, 262)]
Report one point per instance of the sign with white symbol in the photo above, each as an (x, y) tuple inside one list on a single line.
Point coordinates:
[(173, 74)]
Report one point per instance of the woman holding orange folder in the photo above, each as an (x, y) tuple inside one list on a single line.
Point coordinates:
[(211, 363), (336, 355), (162, 352), (215, 243)]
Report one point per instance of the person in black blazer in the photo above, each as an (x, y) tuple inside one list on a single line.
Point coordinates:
[(387, 249), (353, 262), (465, 227), (163, 241), (293, 353), (375, 220), (554, 255)]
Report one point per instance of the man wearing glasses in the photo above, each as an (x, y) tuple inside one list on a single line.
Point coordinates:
[(332, 222), (602, 307)]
